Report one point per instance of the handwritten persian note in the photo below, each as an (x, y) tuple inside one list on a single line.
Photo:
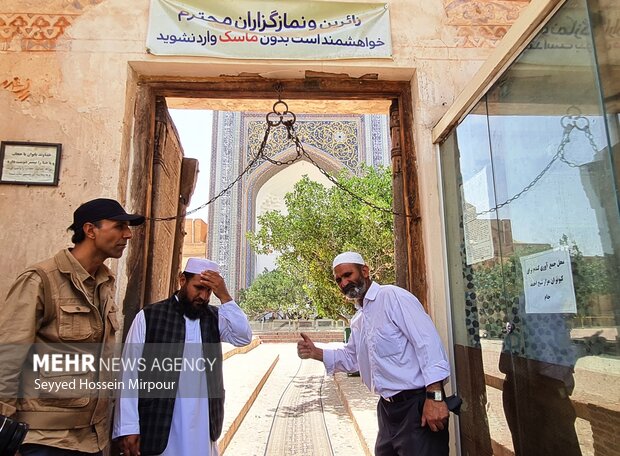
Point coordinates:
[(548, 282)]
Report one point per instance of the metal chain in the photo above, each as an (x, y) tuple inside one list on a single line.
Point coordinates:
[(287, 119), (569, 123), (300, 150), (250, 164)]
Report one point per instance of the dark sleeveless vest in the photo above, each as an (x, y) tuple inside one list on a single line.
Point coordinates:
[(165, 338)]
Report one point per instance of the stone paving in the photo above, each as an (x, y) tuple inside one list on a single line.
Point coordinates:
[(244, 376), (361, 405), (298, 426), (308, 433)]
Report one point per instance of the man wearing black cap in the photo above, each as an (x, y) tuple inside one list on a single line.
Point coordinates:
[(66, 299)]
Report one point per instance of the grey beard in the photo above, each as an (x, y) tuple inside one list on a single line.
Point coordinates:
[(356, 292)]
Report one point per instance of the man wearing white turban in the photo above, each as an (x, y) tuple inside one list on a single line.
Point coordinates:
[(188, 418), (397, 350)]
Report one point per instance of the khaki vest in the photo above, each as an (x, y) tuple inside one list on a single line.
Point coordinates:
[(69, 320)]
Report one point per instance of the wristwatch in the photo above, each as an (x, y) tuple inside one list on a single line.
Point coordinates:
[(435, 395)]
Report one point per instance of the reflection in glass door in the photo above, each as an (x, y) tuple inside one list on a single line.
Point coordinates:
[(530, 191)]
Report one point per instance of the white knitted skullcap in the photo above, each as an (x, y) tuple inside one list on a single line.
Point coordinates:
[(198, 265), (348, 257)]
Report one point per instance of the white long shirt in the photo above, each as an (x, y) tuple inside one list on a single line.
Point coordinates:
[(189, 431), (393, 344)]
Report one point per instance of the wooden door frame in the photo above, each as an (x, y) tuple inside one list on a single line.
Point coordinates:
[(256, 87)]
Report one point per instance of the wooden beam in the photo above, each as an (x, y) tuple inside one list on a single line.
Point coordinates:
[(531, 20), (140, 189), (416, 265), (399, 196), (246, 87)]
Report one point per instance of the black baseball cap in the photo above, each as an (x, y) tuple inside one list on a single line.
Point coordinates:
[(103, 209)]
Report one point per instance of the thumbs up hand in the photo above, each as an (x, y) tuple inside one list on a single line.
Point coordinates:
[(306, 349)]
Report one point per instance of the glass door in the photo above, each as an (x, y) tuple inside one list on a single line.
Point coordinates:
[(530, 191)]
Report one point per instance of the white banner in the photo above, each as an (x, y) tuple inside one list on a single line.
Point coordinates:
[(253, 29)]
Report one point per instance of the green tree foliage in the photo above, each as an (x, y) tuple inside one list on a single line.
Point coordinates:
[(322, 222), (592, 276), (276, 291)]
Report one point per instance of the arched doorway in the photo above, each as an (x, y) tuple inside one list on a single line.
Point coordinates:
[(270, 197)]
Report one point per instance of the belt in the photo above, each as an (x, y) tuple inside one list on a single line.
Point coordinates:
[(404, 395)]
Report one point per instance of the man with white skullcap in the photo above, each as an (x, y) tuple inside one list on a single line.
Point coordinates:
[(187, 419), (397, 350)]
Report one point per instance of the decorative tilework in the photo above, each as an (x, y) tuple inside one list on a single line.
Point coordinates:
[(22, 32), (335, 141), (225, 168), (81, 4), (473, 12), (337, 138), (480, 36), (379, 140), (32, 32), (482, 23)]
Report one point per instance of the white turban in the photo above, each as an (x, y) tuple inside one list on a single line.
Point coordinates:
[(198, 265), (349, 258)]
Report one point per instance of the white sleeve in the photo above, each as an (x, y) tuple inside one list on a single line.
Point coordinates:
[(420, 331), (234, 326), (342, 359), (126, 418)]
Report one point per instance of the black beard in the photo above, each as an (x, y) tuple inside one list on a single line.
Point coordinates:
[(192, 310)]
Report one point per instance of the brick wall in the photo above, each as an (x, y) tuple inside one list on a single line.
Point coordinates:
[(288, 336)]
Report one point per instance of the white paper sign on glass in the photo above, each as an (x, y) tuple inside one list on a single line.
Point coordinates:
[(477, 229), (548, 282)]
